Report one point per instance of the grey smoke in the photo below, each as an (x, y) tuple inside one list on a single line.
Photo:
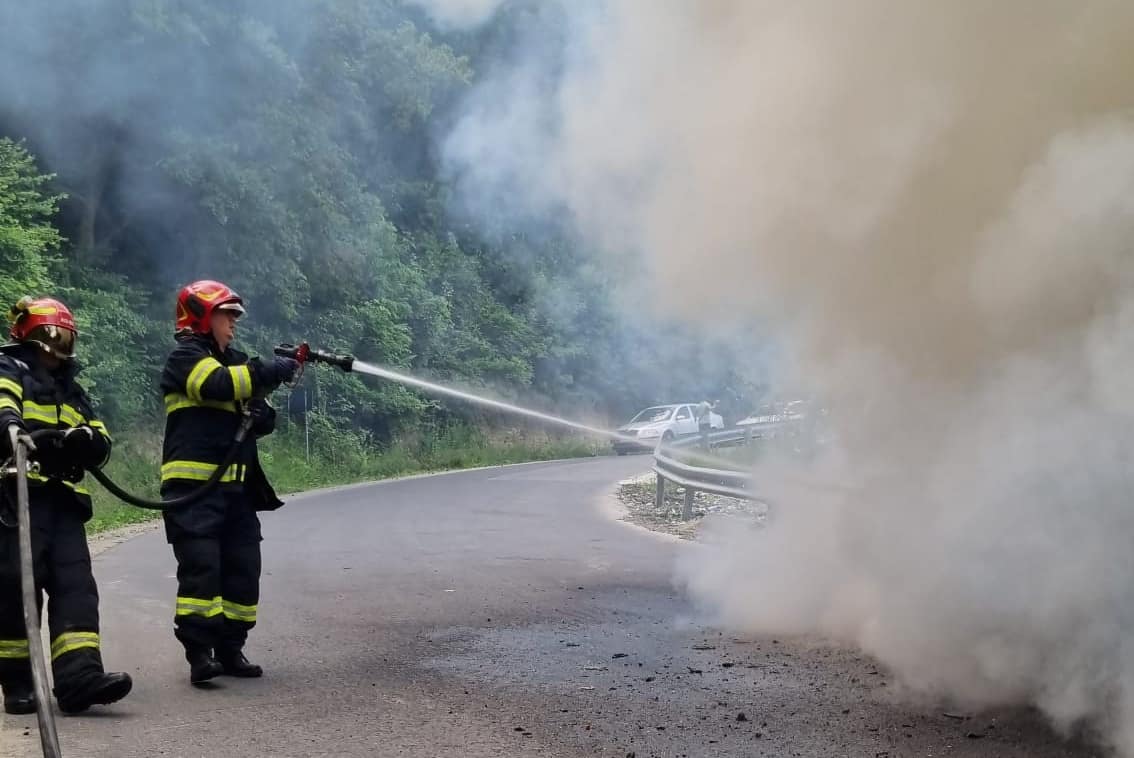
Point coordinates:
[(934, 203)]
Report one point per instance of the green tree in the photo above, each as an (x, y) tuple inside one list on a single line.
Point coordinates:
[(28, 240)]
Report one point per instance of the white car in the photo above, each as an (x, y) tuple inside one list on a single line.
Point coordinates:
[(774, 419), (661, 422)]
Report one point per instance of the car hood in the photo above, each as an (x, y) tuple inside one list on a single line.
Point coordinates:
[(639, 426)]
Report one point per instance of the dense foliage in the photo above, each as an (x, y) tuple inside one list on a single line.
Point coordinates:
[(290, 149)]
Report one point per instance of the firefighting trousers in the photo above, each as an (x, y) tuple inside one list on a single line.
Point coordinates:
[(62, 568), (217, 546)]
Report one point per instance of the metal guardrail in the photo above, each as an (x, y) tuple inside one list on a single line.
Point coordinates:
[(700, 478)]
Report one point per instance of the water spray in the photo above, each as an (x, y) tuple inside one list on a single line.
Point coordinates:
[(304, 354), (500, 405)]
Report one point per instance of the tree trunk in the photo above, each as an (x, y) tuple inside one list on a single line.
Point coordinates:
[(87, 243)]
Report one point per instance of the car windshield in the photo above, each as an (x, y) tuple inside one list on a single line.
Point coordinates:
[(651, 415)]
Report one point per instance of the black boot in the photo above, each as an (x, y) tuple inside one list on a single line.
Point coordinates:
[(235, 664), (19, 696), (202, 666), (101, 689)]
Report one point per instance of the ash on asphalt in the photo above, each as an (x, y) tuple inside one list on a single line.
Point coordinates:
[(644, 681)]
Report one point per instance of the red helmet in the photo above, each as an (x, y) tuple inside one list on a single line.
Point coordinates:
[(44, 321), (197, 301)]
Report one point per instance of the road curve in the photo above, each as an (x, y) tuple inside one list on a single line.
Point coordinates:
[(488, 613)]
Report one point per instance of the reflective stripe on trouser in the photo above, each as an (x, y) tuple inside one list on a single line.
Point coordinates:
[(237, 612), (14, 649), (216, 607), (70, 641), (191, 606), (195, 606), (218, 591)]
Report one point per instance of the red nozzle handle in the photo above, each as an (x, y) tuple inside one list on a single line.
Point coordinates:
[(297, 353), (303, 353)]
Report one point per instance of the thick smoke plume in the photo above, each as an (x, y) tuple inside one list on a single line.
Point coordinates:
[(935, 203)]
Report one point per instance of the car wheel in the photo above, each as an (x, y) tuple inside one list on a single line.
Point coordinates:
[(667, 437)]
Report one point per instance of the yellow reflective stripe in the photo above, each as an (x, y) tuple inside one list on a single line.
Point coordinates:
[(70, 415), (241, 381), (199, 375), (7, 402), (178, 402), (100, 427), (197, 471), (14, 649), (238, 612), (69, 641), (70, 485), (7, 385), (47, 414), (198, 602), (195, 606)]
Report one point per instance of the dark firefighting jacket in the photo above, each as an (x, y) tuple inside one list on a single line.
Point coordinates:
[(206, 393), (36, 400)]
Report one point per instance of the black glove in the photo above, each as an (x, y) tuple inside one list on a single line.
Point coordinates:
[(276, 372), (54, 461), (263, 417), (85, 446)]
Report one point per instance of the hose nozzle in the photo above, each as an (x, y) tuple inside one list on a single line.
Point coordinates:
[(303, 353)]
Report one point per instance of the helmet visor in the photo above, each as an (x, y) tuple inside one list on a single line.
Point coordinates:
[(56, 340), (233, 307)]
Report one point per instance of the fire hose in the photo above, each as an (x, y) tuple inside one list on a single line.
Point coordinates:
[(18, 467)]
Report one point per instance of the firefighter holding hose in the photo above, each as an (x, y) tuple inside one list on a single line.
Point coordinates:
[(209, 389), (39, 395)]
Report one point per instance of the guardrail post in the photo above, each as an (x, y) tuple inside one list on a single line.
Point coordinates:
[(748, 436), (687, 509), (659, 495)]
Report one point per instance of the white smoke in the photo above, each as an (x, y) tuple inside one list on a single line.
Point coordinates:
[(935, 203), (458, 14)]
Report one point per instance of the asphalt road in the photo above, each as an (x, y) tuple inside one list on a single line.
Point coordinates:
[(499, 612)]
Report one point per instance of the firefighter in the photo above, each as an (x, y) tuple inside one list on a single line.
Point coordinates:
[(40, 395), (208, 387)]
